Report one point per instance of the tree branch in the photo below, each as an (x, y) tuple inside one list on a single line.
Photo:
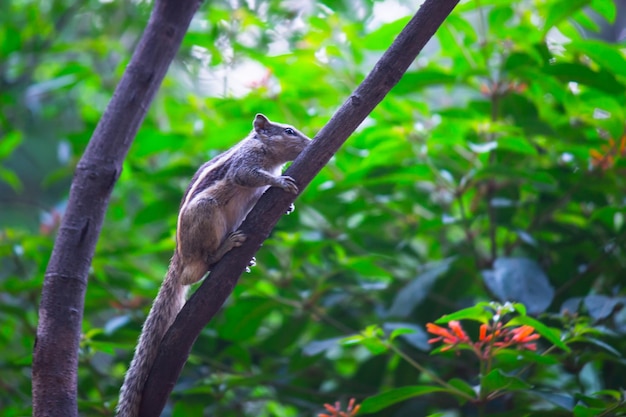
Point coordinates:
[(55, 357), (208, 299)]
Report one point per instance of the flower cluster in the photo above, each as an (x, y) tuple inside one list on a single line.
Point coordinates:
[(491, 338), (335, 411), (604, 158)]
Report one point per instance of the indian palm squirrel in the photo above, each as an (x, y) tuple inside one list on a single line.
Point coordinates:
[(217, 200)]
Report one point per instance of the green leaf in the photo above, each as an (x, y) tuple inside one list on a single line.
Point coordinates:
[(375, 346), (497, 380), (592, 401), (615, 394), (245, 318), (463, 386), (396, 395), (366, 267), (11, 178), (151, 141), (561, 10), (611, 216), (410, 333), (152, 212), (187, 408), (412, 82), (477, 313), (520, 308), (286, 335), (400, 331), (104, 347), (446, 37), (585, 21), (606, 9), (601, 79), (510, 360), (607, 56), (10, 40), (9, 142), (372, 338), (499, 16), (582, 411), (517, 144), (603, 345), (381, 38)]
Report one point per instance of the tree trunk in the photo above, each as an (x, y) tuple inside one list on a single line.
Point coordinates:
[(55, 357)]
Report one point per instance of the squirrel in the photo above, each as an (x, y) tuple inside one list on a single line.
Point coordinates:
[(217, 200)]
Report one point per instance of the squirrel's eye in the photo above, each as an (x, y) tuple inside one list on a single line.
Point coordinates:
[(290, 131)]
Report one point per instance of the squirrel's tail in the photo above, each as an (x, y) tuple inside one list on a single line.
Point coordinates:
[(167, 304)]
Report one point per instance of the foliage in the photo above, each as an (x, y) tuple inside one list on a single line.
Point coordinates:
[(508, 368), (494, 170)]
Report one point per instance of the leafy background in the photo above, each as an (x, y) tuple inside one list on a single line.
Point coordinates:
[(494, 170)]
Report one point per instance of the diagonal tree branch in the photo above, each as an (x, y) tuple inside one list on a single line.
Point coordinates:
[(55, 357), (208, 299)]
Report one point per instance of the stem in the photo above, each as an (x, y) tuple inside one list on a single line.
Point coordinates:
[(609, 411), (431, 375), (491, 185), (468, 232), (482, 374), (481, 410), (525, 368)]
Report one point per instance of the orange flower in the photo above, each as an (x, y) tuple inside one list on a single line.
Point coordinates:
[(458, 330), (483, 332), (336, 409), (523, 336), (601, 161), (489, 336), (450, 338), (605, 157)]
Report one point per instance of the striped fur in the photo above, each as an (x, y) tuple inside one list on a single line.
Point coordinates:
[(217, 200)]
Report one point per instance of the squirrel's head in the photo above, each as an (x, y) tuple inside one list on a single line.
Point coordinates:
[(285, 142)]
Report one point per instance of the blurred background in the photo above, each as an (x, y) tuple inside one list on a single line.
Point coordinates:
[(501, 153)]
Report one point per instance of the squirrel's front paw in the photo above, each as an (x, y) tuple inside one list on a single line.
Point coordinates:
[(287, 183), (236, 238)]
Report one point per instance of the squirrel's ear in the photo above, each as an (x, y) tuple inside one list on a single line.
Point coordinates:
[(260, 123)]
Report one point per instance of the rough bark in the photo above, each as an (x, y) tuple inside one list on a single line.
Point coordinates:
[(208, 299), (55, 357)]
